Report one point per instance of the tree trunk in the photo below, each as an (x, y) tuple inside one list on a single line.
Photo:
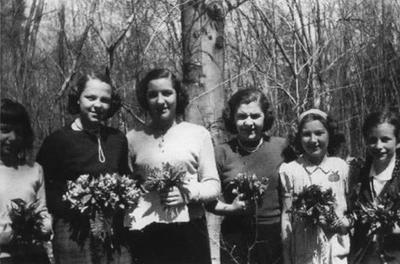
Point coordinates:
[(203, 50)]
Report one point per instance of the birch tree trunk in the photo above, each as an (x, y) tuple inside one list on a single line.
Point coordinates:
[(203, 50)]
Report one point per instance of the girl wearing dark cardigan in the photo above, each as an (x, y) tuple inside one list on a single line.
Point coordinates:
[(86, 146), (248, 117)]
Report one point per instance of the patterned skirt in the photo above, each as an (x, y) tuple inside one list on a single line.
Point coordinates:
[(67, 251)]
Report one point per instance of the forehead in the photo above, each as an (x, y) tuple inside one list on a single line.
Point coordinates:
[(160, 84), (252, 107), (97, 86), (12, 126), (313, 125), (385, 129)]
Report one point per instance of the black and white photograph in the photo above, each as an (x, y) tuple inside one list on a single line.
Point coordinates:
[(200, 132)]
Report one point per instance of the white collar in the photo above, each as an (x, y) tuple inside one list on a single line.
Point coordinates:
[(386, 174), (311, 168), (77, 125)]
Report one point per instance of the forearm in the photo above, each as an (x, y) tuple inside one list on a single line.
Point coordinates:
[(222, 208), (286, 229), (286, 238), (204, 191)]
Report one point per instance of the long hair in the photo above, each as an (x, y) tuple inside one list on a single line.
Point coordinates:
[(15, 114)]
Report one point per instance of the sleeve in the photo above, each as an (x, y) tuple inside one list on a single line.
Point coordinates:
[(42, 207), (48, 158), (131, 155), (208, 187), (219, 157), (124, 159), (287, 183), (6, 232), (287, 195), (343, 188)]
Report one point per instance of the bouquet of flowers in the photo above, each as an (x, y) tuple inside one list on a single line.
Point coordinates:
[(27, 224), (312, 202), (99, 199), (249, 186), (150, 208), (162, 179), (381, 216)]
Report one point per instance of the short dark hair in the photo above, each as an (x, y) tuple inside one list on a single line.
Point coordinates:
[(246, 96), (182, 98), (376, 118), (14, 113), (73, 97), (331, 126)]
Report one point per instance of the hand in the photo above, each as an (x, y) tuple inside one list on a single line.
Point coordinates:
[(6, 234), (172, 197), (396, 229), (322, 221), (342, 226), (240, 206)]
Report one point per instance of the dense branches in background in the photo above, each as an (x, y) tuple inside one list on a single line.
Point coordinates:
[(341, 56)]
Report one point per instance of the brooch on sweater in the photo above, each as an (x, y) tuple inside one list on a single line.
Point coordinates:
[(334, 176)]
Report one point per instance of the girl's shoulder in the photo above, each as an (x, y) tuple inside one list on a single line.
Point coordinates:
[(192, 128), (33, 171), (292, 166), (112, 131), (135, 133), (337, 162)]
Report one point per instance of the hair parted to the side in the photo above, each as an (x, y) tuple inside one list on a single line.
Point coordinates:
[(246, 96), (374, 119), (335, 138), (181, 93), (15, 114), (82, 79)]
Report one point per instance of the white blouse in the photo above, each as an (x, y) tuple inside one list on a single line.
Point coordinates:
[(26, 183), (310, 245), (186, 145)]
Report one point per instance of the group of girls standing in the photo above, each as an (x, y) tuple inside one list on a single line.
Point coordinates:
[(269, 234)]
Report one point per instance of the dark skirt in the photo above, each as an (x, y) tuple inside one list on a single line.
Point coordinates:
[(175, 243), (32, 254), (67, 251), (241, 243), (369, 251)]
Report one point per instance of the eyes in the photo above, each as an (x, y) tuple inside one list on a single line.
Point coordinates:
[(374, 140), (243, 116), (4, 128), (102, 99), (154, 94), (317, 133), (8, 128)]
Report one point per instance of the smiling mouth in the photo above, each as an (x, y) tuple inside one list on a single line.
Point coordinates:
[(249, 131), (314, 148), (163, 110), (95, 114)]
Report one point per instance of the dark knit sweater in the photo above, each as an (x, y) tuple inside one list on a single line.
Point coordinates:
[(66, 154), (264, 162)]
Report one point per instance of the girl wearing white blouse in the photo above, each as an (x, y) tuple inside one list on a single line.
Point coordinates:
[(172, 221), (19, 179), (304, 243)]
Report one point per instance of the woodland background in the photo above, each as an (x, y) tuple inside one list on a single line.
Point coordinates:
[(338, 55), (341, 56)]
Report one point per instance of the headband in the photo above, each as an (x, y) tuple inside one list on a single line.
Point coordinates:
[(313, 111)]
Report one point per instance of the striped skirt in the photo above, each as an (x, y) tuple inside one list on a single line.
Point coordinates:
[(67, 251)]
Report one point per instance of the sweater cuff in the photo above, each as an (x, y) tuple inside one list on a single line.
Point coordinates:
[(193, 189)]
